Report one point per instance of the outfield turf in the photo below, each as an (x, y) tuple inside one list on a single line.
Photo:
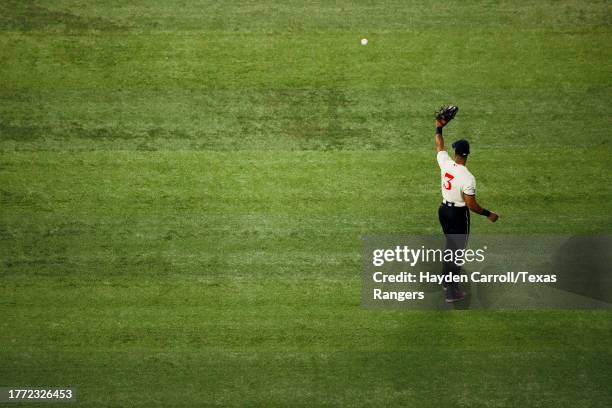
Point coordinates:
[(184, 185)]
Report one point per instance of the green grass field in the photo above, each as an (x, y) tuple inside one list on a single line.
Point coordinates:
[(184, 185)]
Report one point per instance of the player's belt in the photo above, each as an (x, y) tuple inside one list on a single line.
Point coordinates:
[(452, 204)]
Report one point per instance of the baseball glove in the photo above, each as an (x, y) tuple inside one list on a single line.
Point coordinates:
[(447, 112)]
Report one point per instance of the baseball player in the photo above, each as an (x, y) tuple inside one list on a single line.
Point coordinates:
[(458, 197)]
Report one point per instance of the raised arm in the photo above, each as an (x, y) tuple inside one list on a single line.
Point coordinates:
[(444, 115), (472, 204)]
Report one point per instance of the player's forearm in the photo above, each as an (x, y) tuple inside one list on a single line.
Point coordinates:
[(439, 138), (439, 141), (472, 204)]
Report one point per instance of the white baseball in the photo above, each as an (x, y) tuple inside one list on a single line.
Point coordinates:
[(364, 41)]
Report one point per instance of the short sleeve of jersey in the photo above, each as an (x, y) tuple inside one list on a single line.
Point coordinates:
[(470, 187), (443, 157)]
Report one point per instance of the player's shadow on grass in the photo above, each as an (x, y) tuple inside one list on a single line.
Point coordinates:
[(583, 266)]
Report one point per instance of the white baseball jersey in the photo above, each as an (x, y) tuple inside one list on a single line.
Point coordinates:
[(456, 180)]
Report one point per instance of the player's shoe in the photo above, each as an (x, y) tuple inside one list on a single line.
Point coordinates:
[(460, 295)]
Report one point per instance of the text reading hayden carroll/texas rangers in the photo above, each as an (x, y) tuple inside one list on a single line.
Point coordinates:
[(414, 256)]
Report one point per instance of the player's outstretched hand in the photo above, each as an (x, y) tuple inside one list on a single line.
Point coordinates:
[(493, 217)]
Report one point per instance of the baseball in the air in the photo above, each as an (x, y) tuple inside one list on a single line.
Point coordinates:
[(364, 41)]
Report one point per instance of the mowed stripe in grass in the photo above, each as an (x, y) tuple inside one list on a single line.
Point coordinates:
[(478, 58), (326, 119), (395, 185), (502, 379)]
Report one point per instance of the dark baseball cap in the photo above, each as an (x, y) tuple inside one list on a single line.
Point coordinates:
[(462, 147)]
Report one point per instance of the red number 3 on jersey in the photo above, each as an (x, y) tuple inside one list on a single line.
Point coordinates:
[(447, 183)]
